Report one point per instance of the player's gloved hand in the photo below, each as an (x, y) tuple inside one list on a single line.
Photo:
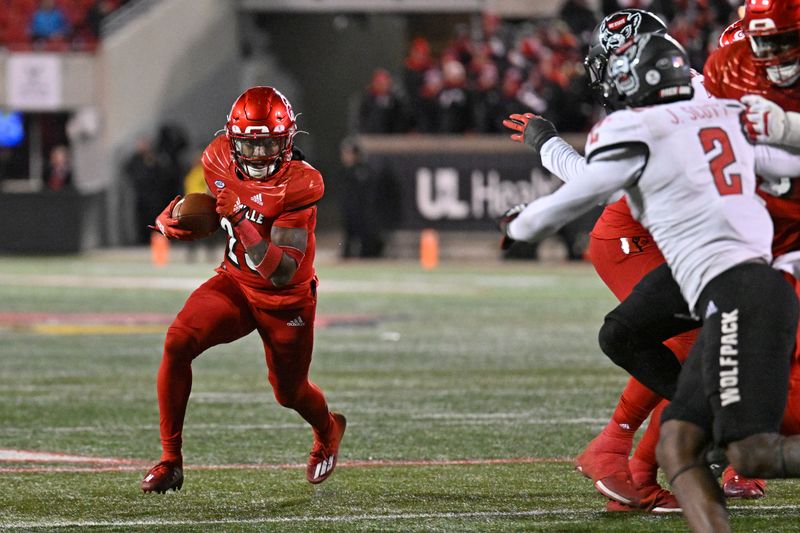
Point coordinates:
[(229, 205), (503, 222), (168, 226), (533, 130), (765, 121)]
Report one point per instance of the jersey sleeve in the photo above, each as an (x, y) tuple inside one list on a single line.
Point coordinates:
[(618, 134), (561, 159), (304, 190), (298, 218), (711, 76)]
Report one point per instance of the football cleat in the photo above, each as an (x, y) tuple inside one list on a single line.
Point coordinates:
[(164, 476), (737, 486), (325, 452), (654, 500), (606, 465)]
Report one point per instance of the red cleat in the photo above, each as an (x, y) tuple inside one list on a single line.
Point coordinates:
[(163, 477), (605, 462), (654, 499), (737, 486), (325, 452)]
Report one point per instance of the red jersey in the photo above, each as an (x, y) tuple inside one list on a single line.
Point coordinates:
[(731, 73), (287, 201)]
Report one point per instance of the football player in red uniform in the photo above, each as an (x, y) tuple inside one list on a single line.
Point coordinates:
[(763, 71), (266, 199)]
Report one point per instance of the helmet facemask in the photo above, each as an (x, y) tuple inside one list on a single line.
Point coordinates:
[(779, 54), (261, 155)]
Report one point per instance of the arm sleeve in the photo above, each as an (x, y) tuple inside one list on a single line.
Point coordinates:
[(295, 219), (601, 178), (774, 163), (561, 159)]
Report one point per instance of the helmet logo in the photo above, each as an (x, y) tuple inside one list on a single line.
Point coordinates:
[(250, 129), (761, 24), (620, 67), (652, 77), (619, 29)]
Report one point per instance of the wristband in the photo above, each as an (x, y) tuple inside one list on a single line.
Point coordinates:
[(272, 258)]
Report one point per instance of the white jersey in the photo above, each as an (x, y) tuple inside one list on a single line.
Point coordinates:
[(689, 175), (696, 193)]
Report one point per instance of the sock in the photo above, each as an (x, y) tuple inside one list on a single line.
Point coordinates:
[(634, 405), (644, 466)]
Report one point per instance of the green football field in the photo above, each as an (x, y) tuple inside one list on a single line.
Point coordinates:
[(467, 391)]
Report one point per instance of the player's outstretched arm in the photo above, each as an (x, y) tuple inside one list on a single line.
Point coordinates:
[(168, 226), (604, 176), (557, 156), (766, 122)]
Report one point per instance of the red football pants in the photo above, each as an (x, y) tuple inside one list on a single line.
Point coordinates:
[(218, 312)]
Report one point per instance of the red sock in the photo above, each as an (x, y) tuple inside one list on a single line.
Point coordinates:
[(632, 410), (644, 466)]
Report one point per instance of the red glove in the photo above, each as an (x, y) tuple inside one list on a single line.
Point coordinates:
[(229, 205), (168, 226)]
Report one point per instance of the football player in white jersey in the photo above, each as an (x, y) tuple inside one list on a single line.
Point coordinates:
[(687, 171)]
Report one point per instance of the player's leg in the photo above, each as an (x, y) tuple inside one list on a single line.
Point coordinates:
[(758, 327), (633, 333), (215, 313), (750, 320), (288, 337), (621, 264), (685, 433)]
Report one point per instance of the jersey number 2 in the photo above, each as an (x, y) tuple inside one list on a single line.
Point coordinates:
[(716, 141)]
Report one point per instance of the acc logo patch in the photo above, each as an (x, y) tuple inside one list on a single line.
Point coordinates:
[(220, 184)]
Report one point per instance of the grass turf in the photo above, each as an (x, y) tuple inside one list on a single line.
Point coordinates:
[(468, 362)]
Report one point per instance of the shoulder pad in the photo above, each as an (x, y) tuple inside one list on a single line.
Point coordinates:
[(304, 186), (619, 128)]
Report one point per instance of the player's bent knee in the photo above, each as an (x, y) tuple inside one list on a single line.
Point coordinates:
[(616, 341), (757, 456), (180, 344)]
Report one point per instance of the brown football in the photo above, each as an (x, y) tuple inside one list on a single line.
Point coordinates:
[(196, 212)]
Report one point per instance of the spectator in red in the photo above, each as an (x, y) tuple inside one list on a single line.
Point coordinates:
[(382, 110), (417, 63)]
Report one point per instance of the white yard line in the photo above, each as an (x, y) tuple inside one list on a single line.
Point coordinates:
[(572, 512)]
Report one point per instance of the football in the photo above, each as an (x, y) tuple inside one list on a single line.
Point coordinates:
[(196, 212)]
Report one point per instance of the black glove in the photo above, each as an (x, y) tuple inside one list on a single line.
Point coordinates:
[(533, 130), (503, 222)]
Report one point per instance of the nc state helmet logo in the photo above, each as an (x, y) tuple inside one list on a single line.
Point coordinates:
[(620, 68), (618, 29)]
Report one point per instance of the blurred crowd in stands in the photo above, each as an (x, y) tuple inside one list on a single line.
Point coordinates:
[(53, 25), (490, 69)]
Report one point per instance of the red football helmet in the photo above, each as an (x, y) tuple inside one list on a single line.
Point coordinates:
[(732, 33), (773, 29), (261, 128)]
